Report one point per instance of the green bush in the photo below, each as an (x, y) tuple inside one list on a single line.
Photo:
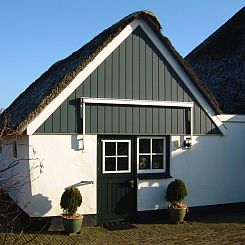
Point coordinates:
[(71, 199), (176, 191)]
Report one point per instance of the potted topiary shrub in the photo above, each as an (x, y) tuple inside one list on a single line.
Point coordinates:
[(71, 199), (176, 192)]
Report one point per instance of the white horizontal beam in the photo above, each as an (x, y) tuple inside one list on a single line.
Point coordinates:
[(232, 118), (137, 102)]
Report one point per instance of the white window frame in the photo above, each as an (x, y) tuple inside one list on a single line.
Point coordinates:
[(116, 156), (164, 154)]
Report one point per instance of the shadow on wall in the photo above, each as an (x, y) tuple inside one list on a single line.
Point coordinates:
[(153, 197), (41, 205), (76, 142)]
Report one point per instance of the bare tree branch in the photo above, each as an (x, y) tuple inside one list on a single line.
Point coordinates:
[(13, 177)]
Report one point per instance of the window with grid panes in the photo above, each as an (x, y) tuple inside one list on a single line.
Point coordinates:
[(116, 156), (151, 154)]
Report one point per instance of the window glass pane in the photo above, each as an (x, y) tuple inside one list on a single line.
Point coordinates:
[(122, 148), (122, 163), (110, 148), (157, 162), (157, 145), (144, 162), (110, 164), (144, 146)]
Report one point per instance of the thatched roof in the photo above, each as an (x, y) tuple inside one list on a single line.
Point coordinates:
[(220, 62), (40, 93)]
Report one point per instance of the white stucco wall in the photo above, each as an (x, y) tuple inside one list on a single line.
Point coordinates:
[(213, 171), (64, 164), (15, 179)]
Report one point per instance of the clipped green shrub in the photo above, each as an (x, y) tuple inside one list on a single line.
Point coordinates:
[(71, 199), (176, 191)]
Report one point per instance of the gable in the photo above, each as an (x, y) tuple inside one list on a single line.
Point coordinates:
[(134, 70)]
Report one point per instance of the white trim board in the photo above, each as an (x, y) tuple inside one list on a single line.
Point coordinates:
[(157, 103), (137, 102), (53, 105), (80, 78), (232, 118), (180, 72)]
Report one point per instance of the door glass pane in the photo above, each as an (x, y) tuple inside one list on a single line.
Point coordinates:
[(110, 148), (122, 148), (144, 162), (144, 146), (157, 145), (157, 162), (122, 163), (110, 164)]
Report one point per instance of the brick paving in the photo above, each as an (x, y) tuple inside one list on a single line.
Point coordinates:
[(222, 230)]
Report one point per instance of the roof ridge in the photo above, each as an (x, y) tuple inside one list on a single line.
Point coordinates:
[(210, 38)]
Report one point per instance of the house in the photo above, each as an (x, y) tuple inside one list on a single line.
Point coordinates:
[(120, 118)]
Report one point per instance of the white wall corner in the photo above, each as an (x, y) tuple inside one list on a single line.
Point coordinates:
[(232, 118)]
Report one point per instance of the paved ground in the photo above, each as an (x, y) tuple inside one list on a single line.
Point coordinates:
[(219, 229)]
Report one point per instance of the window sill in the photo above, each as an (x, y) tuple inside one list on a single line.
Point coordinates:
[(154, 176)]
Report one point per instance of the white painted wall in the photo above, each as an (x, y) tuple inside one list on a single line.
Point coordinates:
[(16, 180), (213, 171), (64, 164)]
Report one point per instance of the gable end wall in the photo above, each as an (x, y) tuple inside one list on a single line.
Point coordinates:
[(135, 70)]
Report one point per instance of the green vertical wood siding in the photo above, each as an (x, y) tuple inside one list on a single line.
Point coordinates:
[(135, 70)]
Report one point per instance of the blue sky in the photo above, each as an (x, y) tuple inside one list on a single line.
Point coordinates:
[(36, 34)]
